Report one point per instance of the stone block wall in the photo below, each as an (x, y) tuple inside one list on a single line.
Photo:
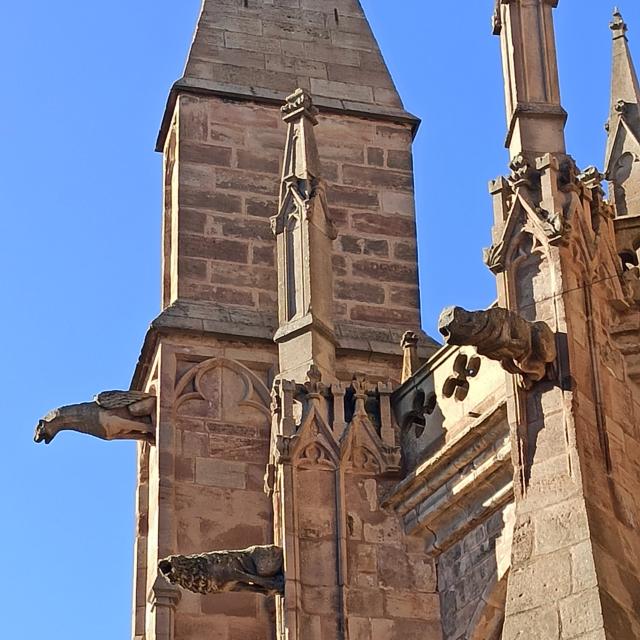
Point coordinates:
[(391, 583), (207, 479), (326, 48), (472, 580), (607, 410), (218, 242)]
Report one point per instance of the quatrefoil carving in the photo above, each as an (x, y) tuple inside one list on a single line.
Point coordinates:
[(457, 385), (423, 405)]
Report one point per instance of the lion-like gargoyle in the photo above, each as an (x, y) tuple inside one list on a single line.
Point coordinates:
[(258, 569), (113, 415), (522, 347)]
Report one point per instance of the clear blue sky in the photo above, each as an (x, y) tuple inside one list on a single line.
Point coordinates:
[(84, 87)]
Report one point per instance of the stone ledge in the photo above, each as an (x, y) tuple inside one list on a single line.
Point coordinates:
[(235, 322), (460, 486), (276, 98)]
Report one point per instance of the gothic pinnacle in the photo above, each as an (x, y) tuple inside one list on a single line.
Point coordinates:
[(535, 115)]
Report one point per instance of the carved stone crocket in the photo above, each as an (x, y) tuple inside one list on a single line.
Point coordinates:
[(113, 415), (522, 347), (258, 569)]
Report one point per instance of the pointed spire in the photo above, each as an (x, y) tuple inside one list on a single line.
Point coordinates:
[(257, 51), (304, 235), (262, 51), (624, 81), (623, 143), (535, 115)]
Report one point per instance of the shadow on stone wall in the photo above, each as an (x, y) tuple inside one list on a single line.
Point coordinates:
[(472, 581)]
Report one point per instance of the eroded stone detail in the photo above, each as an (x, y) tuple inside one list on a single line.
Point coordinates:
[(410, 362), (258, 569), (522, 347), (113, 415)]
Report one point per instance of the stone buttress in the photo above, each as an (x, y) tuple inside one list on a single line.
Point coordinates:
[(576, 548), (525, 487)]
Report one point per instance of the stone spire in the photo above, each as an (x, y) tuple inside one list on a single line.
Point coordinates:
[(253, 49), (304, 235), (535, 116), (623, 143)]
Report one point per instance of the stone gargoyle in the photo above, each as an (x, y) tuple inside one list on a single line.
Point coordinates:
[(525, 348), (258, 569), (113, 415)]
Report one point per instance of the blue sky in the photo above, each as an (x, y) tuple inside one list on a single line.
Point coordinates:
[(84, 88)]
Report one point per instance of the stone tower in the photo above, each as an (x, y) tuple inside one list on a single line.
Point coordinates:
[(238, 271), (311, 467)]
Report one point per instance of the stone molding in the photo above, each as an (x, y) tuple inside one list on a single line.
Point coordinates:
[(275, 98), (215, 320), (463, 483)]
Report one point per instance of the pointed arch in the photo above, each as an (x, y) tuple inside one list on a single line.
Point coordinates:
[(196, 385)]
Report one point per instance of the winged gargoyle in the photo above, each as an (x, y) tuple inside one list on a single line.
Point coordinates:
[(113, 415), (258, 569), (522, 347)]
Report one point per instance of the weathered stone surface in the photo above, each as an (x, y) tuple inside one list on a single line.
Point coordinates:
[(256, 569), (329, 49), (522, 347), (113, 415)]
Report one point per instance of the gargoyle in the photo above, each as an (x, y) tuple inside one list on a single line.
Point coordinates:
[(522, 347), (257, 569), (113, 415)]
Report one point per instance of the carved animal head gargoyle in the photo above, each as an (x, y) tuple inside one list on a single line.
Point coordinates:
[(258, 569), (525, 348), (113, 415)]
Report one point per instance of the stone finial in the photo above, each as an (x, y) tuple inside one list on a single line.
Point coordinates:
[(410, 361), (618, 26), (299, 104), (302, 160), (314, 384), (623, 125), (360, 387)]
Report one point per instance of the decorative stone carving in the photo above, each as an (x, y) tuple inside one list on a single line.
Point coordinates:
[(199, 392), (525, 348), (631, 284), (523, 174), (457, 385), (258, 569), (113, 415), (422, 405)]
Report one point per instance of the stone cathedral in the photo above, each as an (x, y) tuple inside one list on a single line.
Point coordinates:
[(311, 466)]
